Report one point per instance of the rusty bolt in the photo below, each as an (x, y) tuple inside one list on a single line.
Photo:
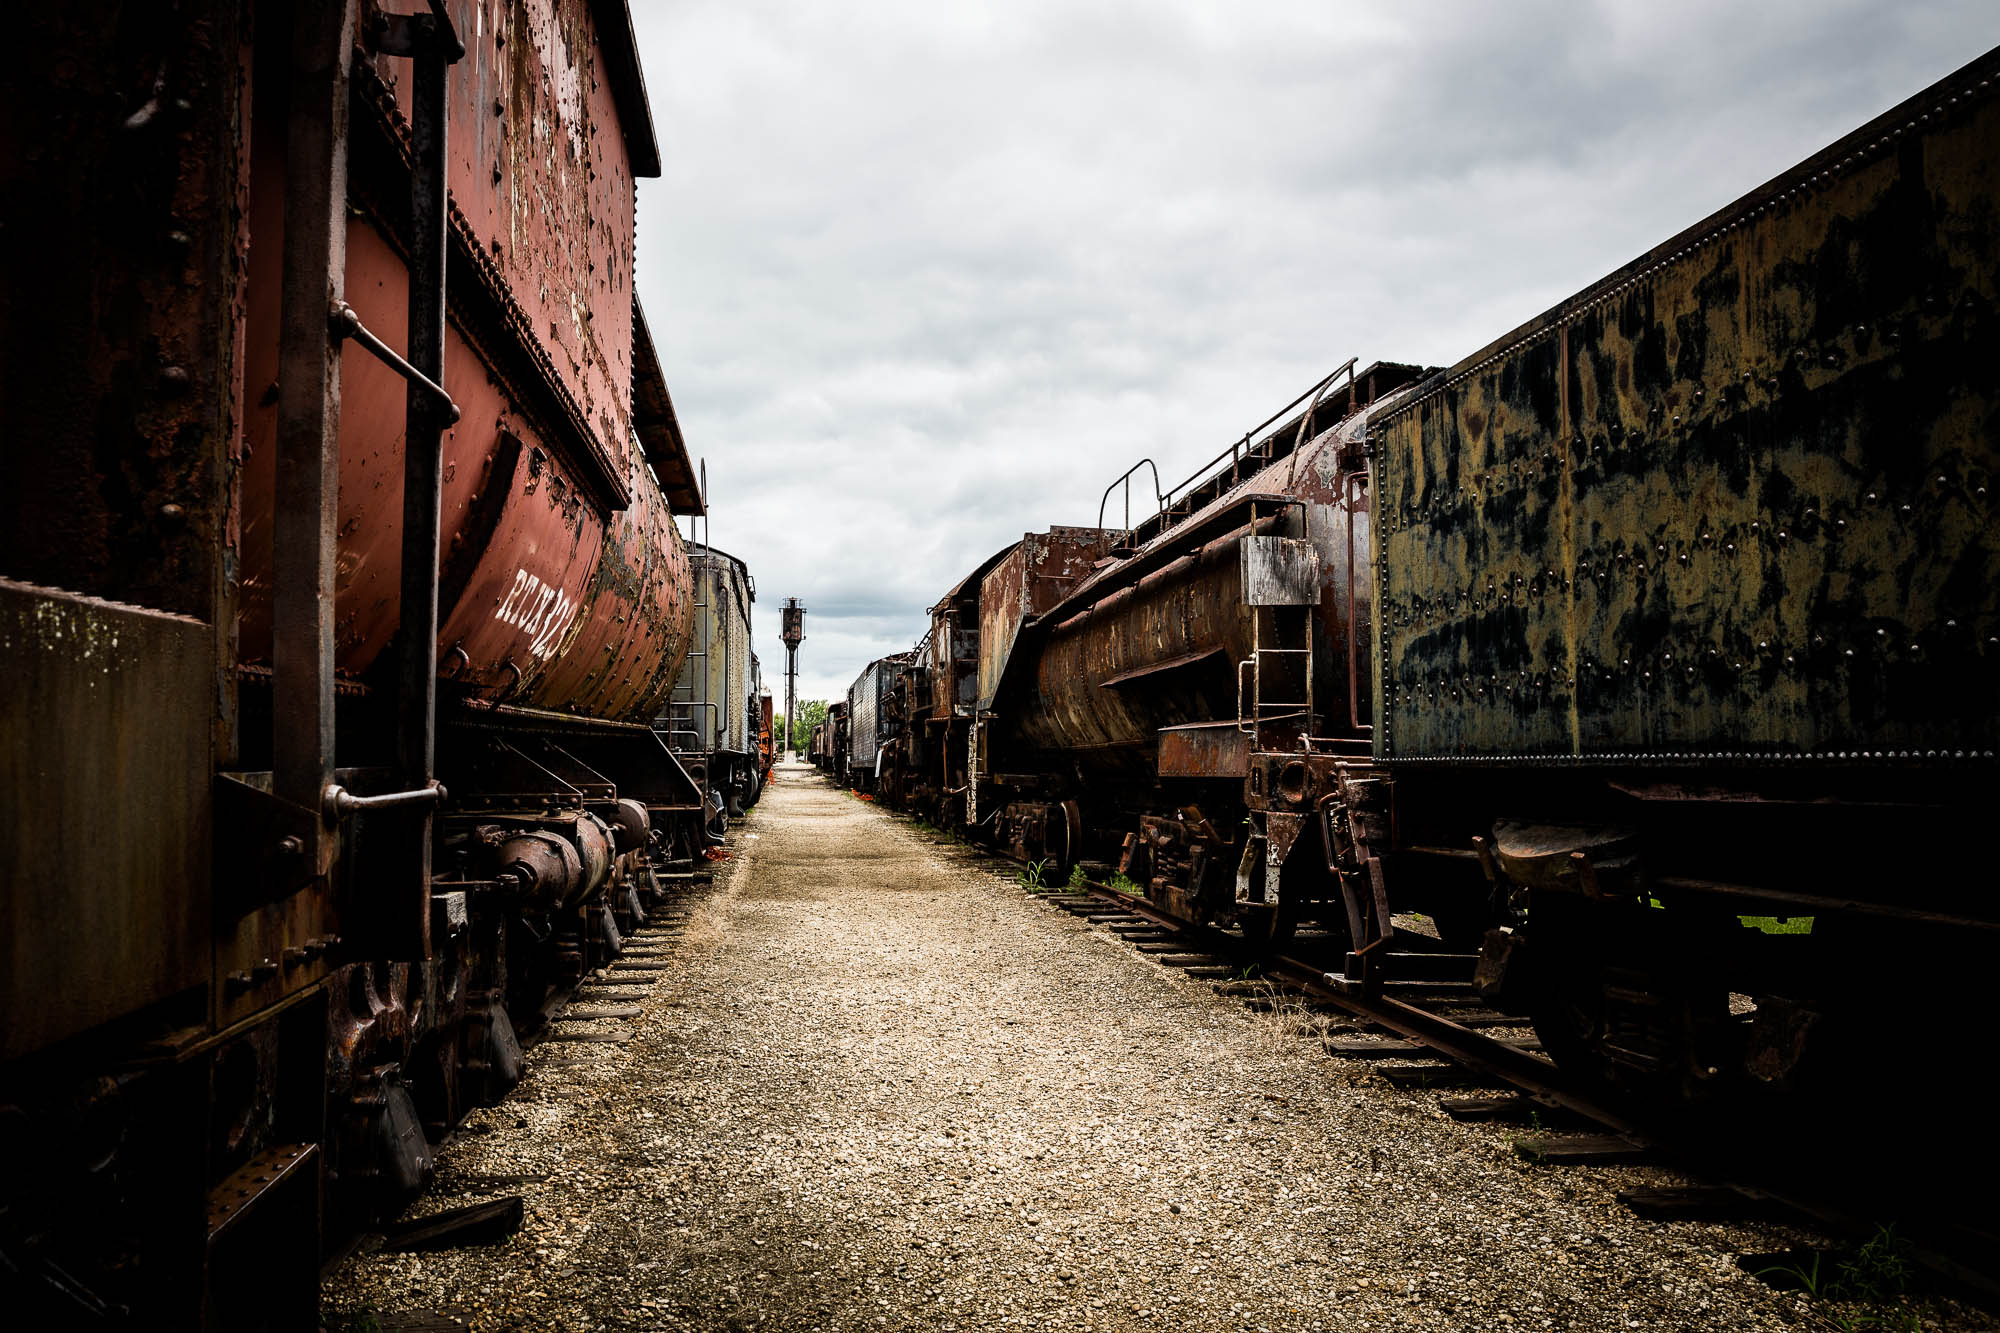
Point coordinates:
[(290, 845), (173, 513), (236, 982), (174, 379)]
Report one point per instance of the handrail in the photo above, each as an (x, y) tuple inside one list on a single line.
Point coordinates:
[(345, 323), (1126, 477), (338, 802), (1242, 446), (1234, 454)]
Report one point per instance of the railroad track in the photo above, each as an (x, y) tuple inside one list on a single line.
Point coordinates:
[(1444, 1020)]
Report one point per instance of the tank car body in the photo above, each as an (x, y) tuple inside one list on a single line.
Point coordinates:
[(342, 615), (710, 719)]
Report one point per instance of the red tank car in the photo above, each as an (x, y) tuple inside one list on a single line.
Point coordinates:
[(563, 581), (339, 587)]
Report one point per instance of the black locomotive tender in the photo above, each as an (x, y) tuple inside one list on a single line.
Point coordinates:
[(1651, 652)]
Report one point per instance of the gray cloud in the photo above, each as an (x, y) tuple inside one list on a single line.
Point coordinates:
[(925, 277)]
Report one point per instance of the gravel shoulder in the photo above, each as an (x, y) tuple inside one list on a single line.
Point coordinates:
[(884, 1087)]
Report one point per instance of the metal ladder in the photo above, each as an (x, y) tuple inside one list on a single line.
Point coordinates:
[(1280, 661)]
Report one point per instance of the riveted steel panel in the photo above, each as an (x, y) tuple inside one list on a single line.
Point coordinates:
[(1734, 499)]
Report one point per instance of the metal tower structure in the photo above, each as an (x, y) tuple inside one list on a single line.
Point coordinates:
[(794, 634)]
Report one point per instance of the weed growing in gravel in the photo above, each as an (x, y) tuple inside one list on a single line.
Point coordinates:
[(1873, 1284), (1291, 1018), (1030, 876), (1528, 1145), (1077, 879), (1124, 885)]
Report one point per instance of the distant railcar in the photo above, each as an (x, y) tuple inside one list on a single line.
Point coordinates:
[(710, 720)]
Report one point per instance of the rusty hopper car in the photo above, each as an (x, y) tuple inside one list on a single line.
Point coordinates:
[(710, 718), (339, 585), (1606, 647)]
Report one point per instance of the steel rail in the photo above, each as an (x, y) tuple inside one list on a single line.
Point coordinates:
[(1536, 1077)]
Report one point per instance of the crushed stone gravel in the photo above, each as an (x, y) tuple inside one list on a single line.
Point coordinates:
[(885, 1088)]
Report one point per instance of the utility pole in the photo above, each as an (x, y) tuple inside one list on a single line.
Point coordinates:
[(794, 634)]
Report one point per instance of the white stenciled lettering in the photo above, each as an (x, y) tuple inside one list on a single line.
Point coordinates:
[(533, 622), (543, 611), (522, 580), (563, 616)]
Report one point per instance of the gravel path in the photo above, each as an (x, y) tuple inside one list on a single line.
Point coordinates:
[(885, 1088)]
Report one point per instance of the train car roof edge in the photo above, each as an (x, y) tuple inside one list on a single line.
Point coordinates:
[(628, 84), (657, 425)]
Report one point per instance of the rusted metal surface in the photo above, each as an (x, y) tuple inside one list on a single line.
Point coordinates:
[(306, 422), (105, 788), (871, 713), (1027, 581), (1204, 750), (119, 397), (539, 572), (1175, 637), (1279, 571), (1733, 501), (544, 154), (540, 561)]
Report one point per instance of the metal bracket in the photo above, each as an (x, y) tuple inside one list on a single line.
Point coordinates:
[(407, 35)]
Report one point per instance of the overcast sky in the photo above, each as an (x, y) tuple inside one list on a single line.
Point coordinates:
[(927, 276)]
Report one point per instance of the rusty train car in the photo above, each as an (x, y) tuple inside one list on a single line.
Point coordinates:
[(1651, 652), (340, 585)]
